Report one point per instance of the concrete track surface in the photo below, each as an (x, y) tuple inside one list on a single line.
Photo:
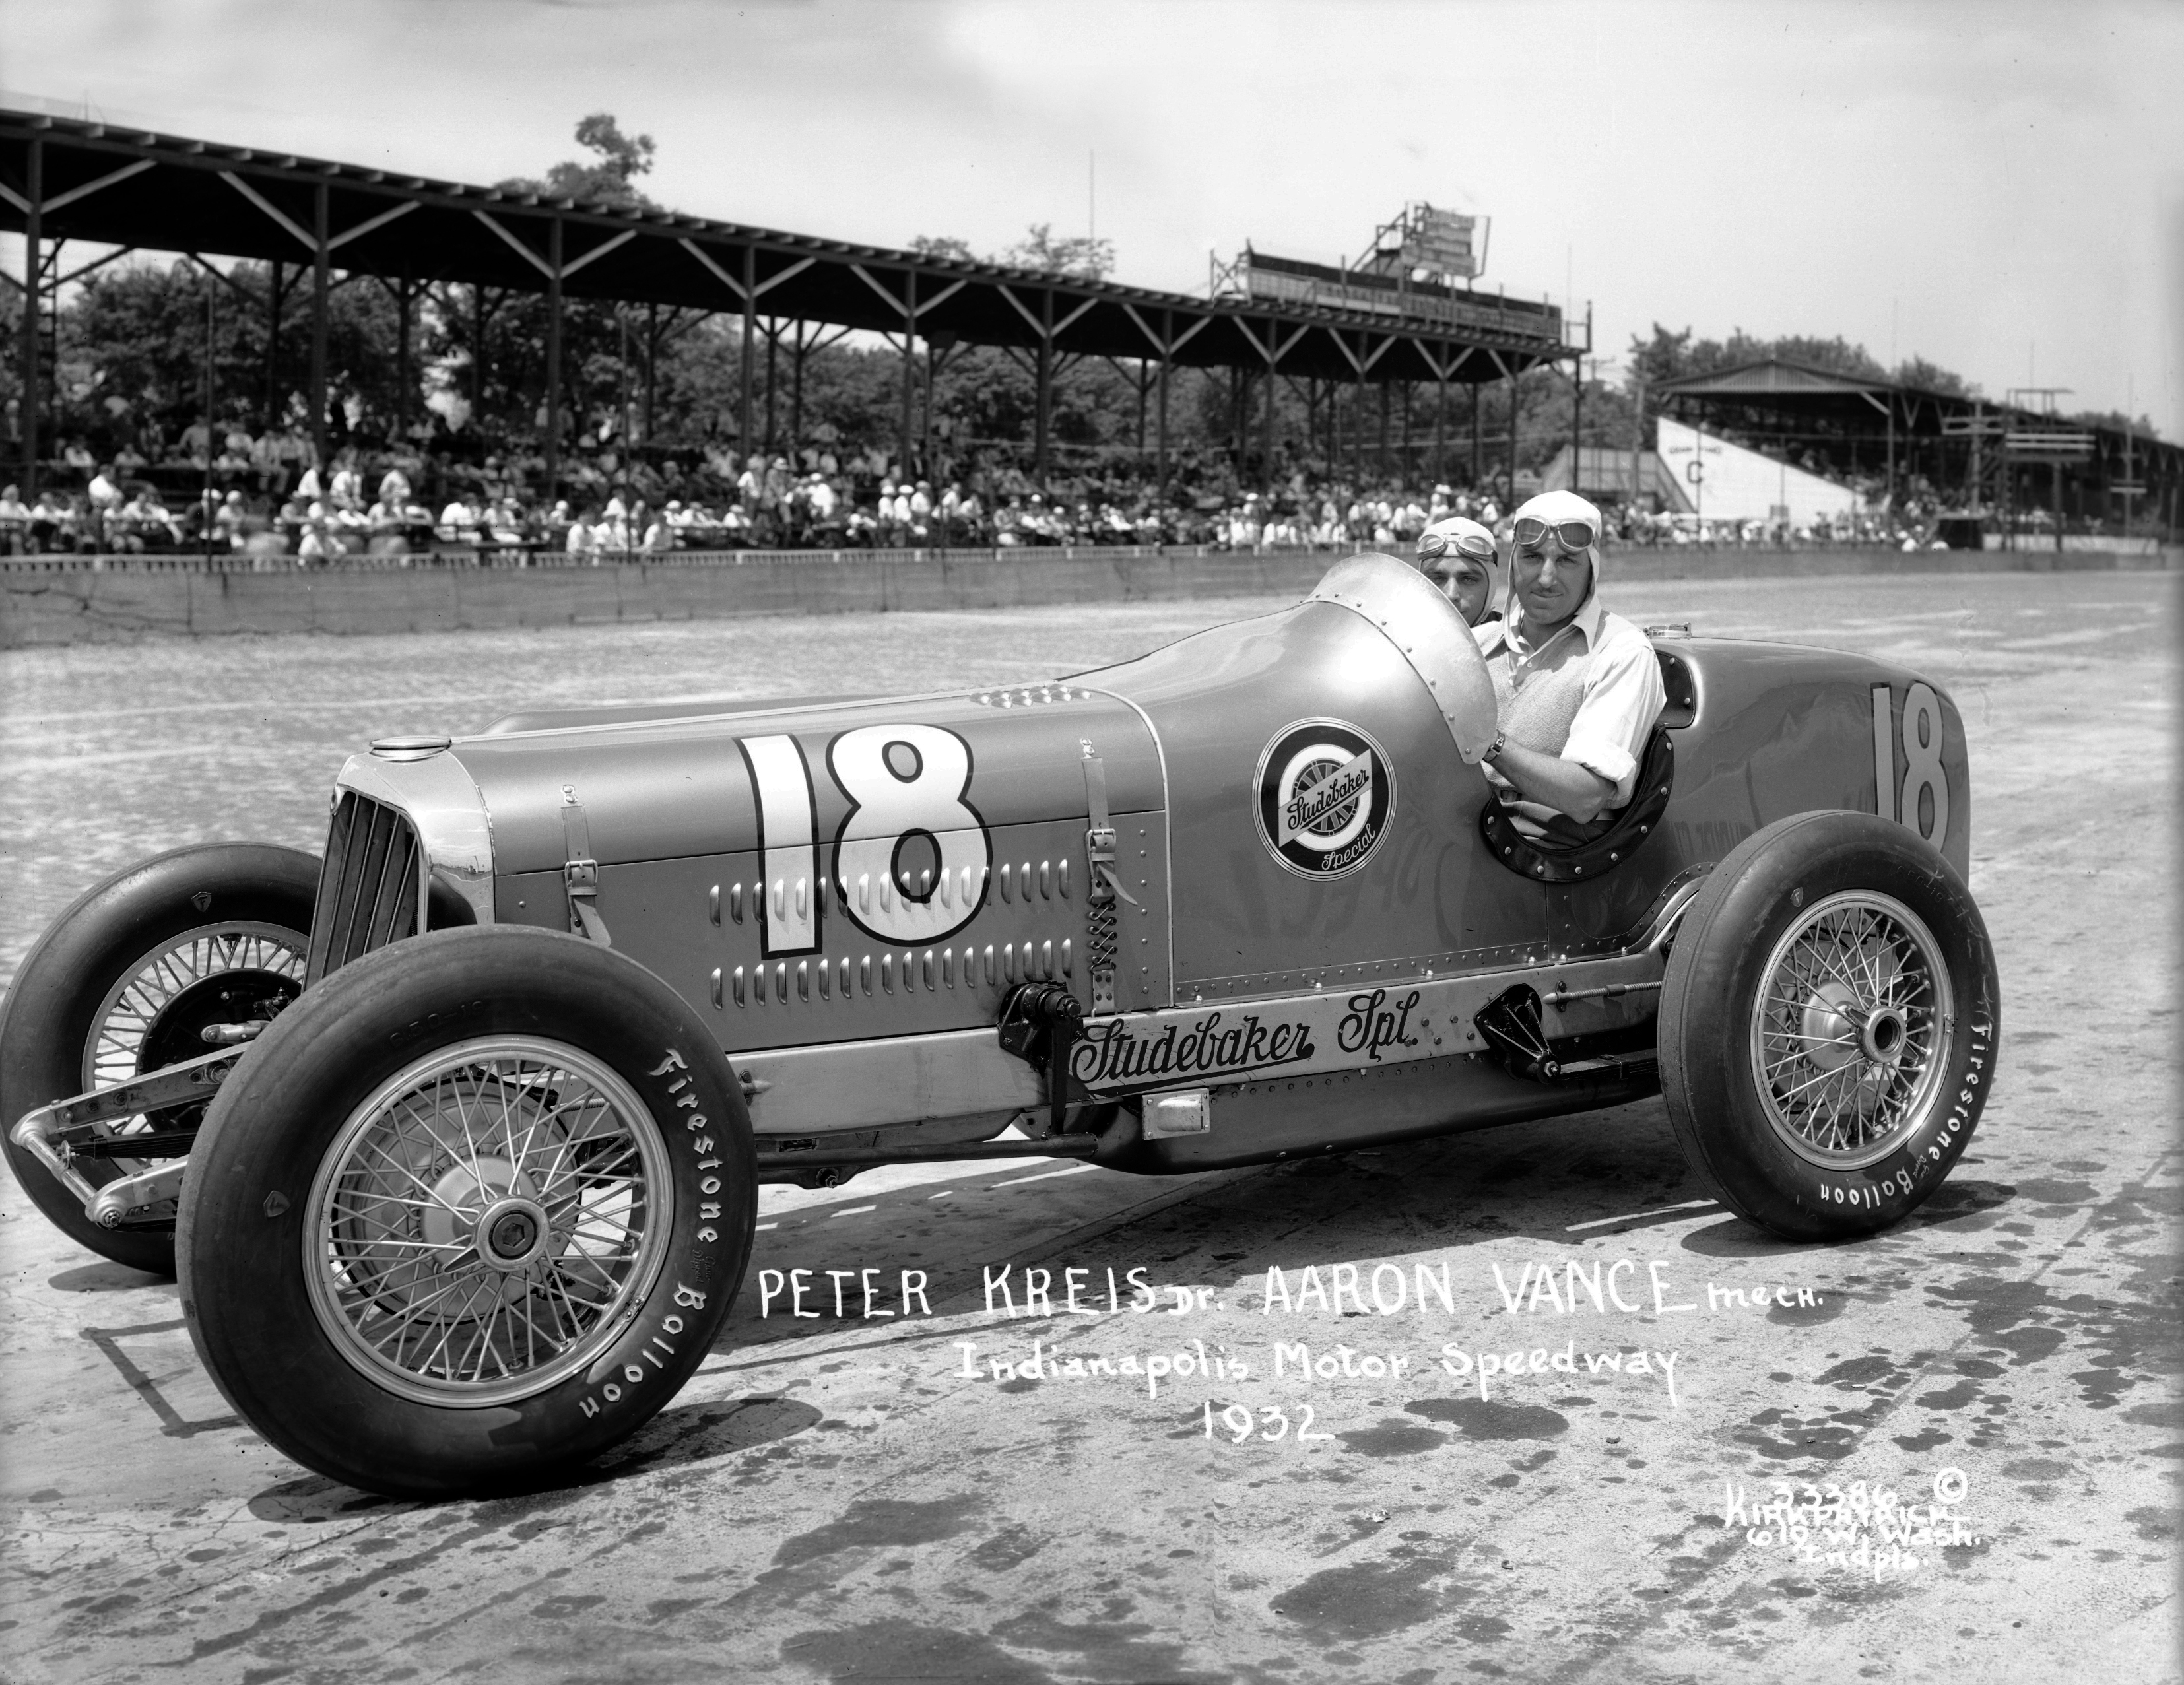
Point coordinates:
[(838, 1500)]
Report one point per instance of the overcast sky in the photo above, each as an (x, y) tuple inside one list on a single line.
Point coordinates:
[(1997, 188)]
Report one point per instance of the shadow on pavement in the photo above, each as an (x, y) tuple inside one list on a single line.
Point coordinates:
[(107, 1277), (680, 1434)]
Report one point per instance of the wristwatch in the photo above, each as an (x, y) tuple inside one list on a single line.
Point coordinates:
[(1494, 749)]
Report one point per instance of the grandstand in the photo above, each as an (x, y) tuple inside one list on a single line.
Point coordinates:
[(122, 190), (1732, 484), (2012, 464)]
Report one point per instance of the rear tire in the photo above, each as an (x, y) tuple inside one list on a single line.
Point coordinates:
[(121, 982), (470, 1213), (1828, 1027)]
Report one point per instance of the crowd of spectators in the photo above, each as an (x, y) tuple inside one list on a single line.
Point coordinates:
[(268, 497)]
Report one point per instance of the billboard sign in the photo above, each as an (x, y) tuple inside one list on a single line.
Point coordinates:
[(1441, 241)]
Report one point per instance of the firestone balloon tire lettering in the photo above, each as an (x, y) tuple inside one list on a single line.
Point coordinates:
[(270, 1332)]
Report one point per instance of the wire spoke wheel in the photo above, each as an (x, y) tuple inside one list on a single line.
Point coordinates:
[(481, 1224), (1853, 1017), (236, 971), (127, 1029)]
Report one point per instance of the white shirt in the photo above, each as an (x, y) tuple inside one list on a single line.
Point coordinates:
[(1623, 695)]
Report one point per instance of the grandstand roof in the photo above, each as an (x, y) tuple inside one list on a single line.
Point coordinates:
[(130, 187), (1847, 404), (1775, 376)]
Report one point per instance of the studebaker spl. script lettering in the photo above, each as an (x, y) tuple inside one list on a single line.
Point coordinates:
[(1334, 1032), (1111, 1054)]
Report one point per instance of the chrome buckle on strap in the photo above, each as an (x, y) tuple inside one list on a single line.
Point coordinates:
[(579, 876)]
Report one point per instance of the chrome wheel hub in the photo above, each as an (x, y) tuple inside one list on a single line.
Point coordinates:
[(512, 1234)]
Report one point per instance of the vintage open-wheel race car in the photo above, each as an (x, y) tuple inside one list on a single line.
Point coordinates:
[(454, 1139)]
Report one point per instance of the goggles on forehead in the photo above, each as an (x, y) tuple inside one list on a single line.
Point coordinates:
[(1432, 546), (1572, 536)]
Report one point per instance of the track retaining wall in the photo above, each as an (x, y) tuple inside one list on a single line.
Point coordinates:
[(74, 601)]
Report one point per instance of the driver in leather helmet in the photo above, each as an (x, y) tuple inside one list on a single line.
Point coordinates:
[(1578, 688), (1459, 559)]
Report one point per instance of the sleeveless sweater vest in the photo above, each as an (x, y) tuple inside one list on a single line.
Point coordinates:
[(1537, 706)]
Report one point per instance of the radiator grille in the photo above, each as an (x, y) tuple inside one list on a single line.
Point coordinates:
[(370, 889)]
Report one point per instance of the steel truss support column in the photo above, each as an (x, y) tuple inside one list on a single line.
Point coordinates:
[(553, 359), (1577, 429), (405, 295), (743, 407), (908, 369), (1478, 444), (320, 254), (651, 362), (796, 351), (1441, 428), (1160, 470), (1515, 374), (1043, 406), (33, 386), (273, 292), (1890, 481), (477, 353), (622, 375), (772, 382)]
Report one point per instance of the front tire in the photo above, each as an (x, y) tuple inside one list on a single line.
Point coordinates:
[(1828, 1025), (121, 983), (470, 1213)]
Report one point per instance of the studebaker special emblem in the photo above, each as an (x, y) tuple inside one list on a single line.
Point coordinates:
[(1325, 791)]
